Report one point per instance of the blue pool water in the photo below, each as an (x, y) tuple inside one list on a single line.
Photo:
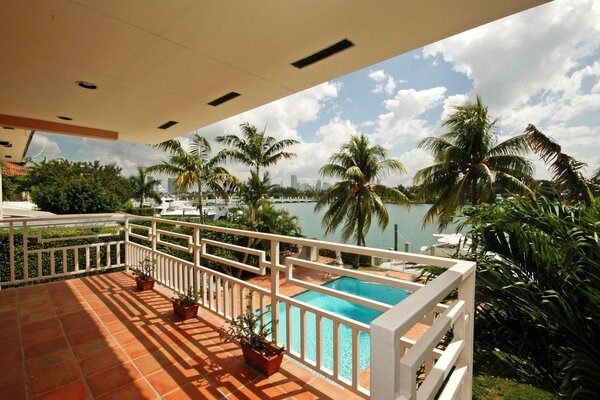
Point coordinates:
[(374, 291)]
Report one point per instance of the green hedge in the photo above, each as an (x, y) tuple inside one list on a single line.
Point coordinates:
[(62, 235)]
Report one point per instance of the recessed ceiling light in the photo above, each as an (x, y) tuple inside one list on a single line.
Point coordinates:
[(8, 127), (5, 143), (65, 118), (168, 124), (86, 85), (8, 156), (322, 54), (223, 99)]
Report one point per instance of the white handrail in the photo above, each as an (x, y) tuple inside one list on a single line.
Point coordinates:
[(394, 358)]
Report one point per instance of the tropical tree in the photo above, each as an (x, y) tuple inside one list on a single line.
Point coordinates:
[(66, 187), (566, 171), (538, 293), (354, 199), (252, 192), (255, 148), (194, 168), (468, 160), (142, 187)]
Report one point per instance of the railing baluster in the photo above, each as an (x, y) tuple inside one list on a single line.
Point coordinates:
[(336, 349), (11, 250), (318, 341), (355, 358)]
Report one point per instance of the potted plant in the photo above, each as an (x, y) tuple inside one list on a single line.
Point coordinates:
[(249, 331), (186, 305), (143, 274)]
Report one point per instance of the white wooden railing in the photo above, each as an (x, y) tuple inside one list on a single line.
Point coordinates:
[(400, 368)]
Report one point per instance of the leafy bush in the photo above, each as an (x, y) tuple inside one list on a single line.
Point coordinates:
[(538, 293), (60, 238), (65, 187)]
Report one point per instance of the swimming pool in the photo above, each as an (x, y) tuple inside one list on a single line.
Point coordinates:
[(374, 291)]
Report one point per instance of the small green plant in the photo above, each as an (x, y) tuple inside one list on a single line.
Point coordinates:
[(189, 298), (249, 330), (146, 268)]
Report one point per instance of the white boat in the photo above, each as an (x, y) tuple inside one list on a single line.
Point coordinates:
[(448, 245)]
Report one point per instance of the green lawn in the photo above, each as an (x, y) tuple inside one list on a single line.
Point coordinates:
[(492, 388)]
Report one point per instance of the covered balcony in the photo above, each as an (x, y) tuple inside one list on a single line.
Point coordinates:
[(97, 337)]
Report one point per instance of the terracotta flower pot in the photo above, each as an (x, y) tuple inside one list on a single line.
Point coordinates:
[(267, 365), (185, 312), (144, 285)]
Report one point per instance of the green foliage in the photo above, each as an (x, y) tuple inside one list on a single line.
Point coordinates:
[(65, 187), (13, 185), (142, 187), (254, 148), (248, 329), (146, 268), (538, 293), (354, 199), (468, 160), (566, 171), (492, 388), (60, 238), (189, 298), (194, 168)]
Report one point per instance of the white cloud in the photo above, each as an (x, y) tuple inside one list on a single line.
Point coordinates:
[(413, 161), (535, 72), (282, 119), (384, 83), (42, 146), (402, 120)]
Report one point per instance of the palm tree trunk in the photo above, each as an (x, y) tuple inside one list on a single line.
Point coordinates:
[(359, 236), (474, 193), (200, 203), (141, 201)]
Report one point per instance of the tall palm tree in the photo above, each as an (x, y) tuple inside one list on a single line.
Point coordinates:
[(566, 171), (142, 187), (354, 199), (194, 168), (252, 192), (255, 148), (468, 160)]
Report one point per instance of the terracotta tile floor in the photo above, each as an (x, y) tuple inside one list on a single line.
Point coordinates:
[(98, 338)]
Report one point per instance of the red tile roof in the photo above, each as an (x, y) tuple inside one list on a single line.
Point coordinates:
[(9, 168)]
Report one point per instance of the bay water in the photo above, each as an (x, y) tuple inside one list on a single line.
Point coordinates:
[(409, 220)]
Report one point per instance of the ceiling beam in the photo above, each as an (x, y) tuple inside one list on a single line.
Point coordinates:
[(56, 127)]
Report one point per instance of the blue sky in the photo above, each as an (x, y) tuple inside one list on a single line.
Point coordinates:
[(541, 66)]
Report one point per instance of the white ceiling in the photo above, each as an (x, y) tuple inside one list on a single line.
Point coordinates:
[(155, 60)]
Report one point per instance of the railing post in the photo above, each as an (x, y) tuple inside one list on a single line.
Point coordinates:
[(466, 292), (197, 257), (25, 255), (385, 363), (126, 244), (275, 290)]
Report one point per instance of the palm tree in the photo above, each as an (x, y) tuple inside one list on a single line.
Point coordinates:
[(194, 168), (254, 148), (354, 199), (468, 160), (142, 187), (566, 171), (252, 192)]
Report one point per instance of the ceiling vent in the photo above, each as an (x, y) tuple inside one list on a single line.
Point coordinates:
[(4, 143), (320, 55), (168, 124), (223, 99)]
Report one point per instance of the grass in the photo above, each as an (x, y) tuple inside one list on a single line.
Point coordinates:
[(492, 388)]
